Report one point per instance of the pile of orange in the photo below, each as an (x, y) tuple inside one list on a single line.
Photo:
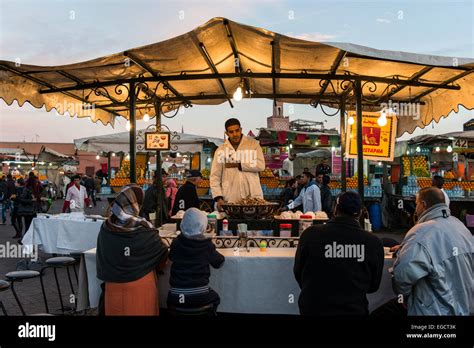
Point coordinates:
[(267, 173), (423, 182), (270, 182), (119, 181), (204, 183)]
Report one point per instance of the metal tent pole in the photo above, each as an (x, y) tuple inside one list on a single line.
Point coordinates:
[(343, 145), (360, 155), (159, 203), (132, 119)]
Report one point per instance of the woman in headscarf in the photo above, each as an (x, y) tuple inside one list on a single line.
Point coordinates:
[(191, 253), (129, 251)]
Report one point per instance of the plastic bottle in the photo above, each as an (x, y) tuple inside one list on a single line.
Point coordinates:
[(225, 226), (305, 222), (285, 230), (212, 221)]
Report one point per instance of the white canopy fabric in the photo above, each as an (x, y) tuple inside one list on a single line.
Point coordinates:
[(212, 49), (49, 155), (315, 153), (120, 142)]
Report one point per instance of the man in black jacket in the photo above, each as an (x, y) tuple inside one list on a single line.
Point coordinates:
[(326, 196), (338, 263), (187, 196)]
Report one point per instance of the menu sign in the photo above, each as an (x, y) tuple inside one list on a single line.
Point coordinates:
[(157, 141), (378, 142)]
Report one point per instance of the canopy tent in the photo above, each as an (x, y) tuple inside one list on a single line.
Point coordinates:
[(221, 54), (119, 142), (206, 65), (315, 153), (52, 156)]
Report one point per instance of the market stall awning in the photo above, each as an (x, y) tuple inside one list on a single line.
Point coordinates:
[(52, 156), (207, 64), (120, 142)]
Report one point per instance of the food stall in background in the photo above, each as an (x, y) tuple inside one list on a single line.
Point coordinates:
[(449, 155), (187, 151)]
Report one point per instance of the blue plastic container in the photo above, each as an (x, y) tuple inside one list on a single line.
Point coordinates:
[(375, 216)]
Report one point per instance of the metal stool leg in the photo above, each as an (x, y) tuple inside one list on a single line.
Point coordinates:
[(59, 289), (16, 298), (70, 284), (44, 292), (3, 309)]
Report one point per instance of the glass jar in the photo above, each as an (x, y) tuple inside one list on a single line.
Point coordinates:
[(285, 230), (305, 222)]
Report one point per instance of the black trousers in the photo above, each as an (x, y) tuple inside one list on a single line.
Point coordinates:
[(390, 309), (193, 301)]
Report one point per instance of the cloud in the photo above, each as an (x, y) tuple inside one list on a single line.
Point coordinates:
[(315, 36), (383, 20)]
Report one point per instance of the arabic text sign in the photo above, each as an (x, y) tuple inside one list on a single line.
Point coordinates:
[(378, 141), (157, 141)]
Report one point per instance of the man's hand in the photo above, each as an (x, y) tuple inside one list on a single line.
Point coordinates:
[(219, 204), (395, 248), (282, 209), (232, 165)]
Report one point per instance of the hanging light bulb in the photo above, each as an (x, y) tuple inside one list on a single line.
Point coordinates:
[(316, 143), (50, 164), (146, 117), (127, 158), (382, 120), (449, 149), (380, 164), (128, 126), (291, 146), (418, 149), (351, 120), (238, 94), (437, 149), (333, 148), (113, 154), (97, 157)]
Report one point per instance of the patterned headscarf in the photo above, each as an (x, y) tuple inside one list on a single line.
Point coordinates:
[(125, 210)]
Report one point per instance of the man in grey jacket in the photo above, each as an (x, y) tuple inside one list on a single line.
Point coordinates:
[(434, 269), (310, 195)]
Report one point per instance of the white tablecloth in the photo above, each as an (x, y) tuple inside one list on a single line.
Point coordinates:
[(62, 236), (255, 282)]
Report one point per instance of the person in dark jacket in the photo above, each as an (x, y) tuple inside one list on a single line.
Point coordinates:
[(3, 199), (187, 196), (290, 192), (17, 221), (129, 252), (337, 264), (191, 253), (29, 200), (150, 202), (326, 196)]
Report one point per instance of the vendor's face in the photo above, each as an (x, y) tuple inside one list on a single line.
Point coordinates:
[(77, 182), (304, 179), (234, 133)]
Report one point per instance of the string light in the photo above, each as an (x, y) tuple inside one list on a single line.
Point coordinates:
[(351, 120), (238, 95), (449, 149), (437, 149), (146, 117), (382, 120)]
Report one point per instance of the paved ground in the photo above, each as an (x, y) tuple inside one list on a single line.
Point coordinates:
[(29, 291)]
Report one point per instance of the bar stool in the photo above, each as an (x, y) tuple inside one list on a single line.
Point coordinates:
[(18, 276), (202, 311), (4, 285), (77, 257), (61, 262)]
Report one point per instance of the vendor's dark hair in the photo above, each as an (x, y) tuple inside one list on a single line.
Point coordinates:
[(232, 122), (438, 181), (308, 175), (77, 176), (431, 196)]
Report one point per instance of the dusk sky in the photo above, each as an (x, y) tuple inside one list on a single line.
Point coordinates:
[(62, 32)]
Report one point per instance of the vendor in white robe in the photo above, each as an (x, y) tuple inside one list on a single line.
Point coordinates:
[(76, 197), (236, 166)]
